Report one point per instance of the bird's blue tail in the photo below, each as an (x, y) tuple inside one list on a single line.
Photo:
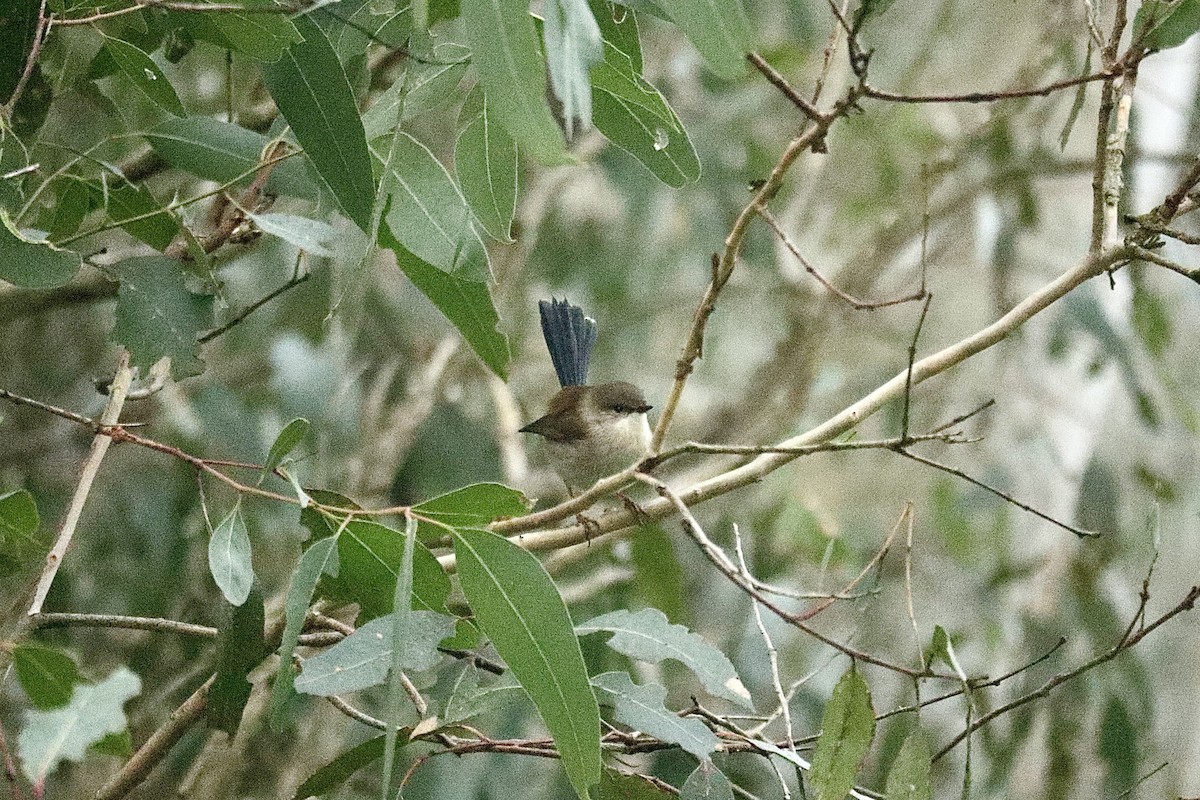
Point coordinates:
[(569, 338)]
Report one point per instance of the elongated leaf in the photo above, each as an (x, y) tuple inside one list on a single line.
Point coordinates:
[(240, 646), (573, 44), (942, 649), (229, 557), (48, 676), (310, 235), (339, 770), (466, 303), (908, 779), (518, 607), (648, 635), (220, 151), (641, 708), (485, 162), (505, 53), (311, 91), (144, 74), (363, 658), (634, 116), (427, 213), (619, 28), (292, 434), (369, 555), (50, 737), (1162, 25), (847, 728), (157, 316), (719, 30), (30, 262), (320, 558), (706, 783), (475, 506)]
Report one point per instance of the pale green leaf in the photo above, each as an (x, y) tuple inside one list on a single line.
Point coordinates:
[(517, 605), (485, 162), (310, 235), (642, 709), (706, 783), (573, 44), (311, 91), (1163, 24), (320, 558), (475, 506), (292, 434), (505, 53), (648, 635), (942, 648), (426, 212), (65, 733), (229, 558), (363, 658), (263, 35), (847, 728), (908, 779)]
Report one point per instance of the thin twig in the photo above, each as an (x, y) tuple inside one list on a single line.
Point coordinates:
[(250, 309), (1186, 604), (912, 357), (91, 466), (138, 767), (958, 473), (789, 91), (848, 298)]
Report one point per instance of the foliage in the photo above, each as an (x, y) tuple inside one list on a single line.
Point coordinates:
[(342, 215)]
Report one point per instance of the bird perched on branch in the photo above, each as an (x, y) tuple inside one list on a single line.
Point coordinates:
[(590, 431)]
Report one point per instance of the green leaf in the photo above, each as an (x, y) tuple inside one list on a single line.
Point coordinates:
[(136, 210), (573, 44), (634, 116), (263, 35), (427, 213), (517, 605), (428, 87), (648, 635), (240, 647), (310, 235), (292, 434), (364, 657), (468, 700), (619, 27), (93, 712), (31, 262), (339, 770), (229, 557), (719, 30), (1119, 745), (144, 74), (157, 316), (1163, 24), (115, 744), (369, 555), (505, 53), (71, 204), (706, 783), (16, 40), (319, 559), (658, 577), (942, 648), (641, 708), (908, 779), (311, 91), (847, 728), (466, 303), (485, 162), (48, 676), (475, 506), (619, 786), (220, 151), (18, 530)]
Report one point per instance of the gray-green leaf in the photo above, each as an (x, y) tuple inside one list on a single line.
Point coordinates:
[(29, 261), (229, 557), (641, 708), (847, 728), (485, 162), (648, 635), (157, 316)]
